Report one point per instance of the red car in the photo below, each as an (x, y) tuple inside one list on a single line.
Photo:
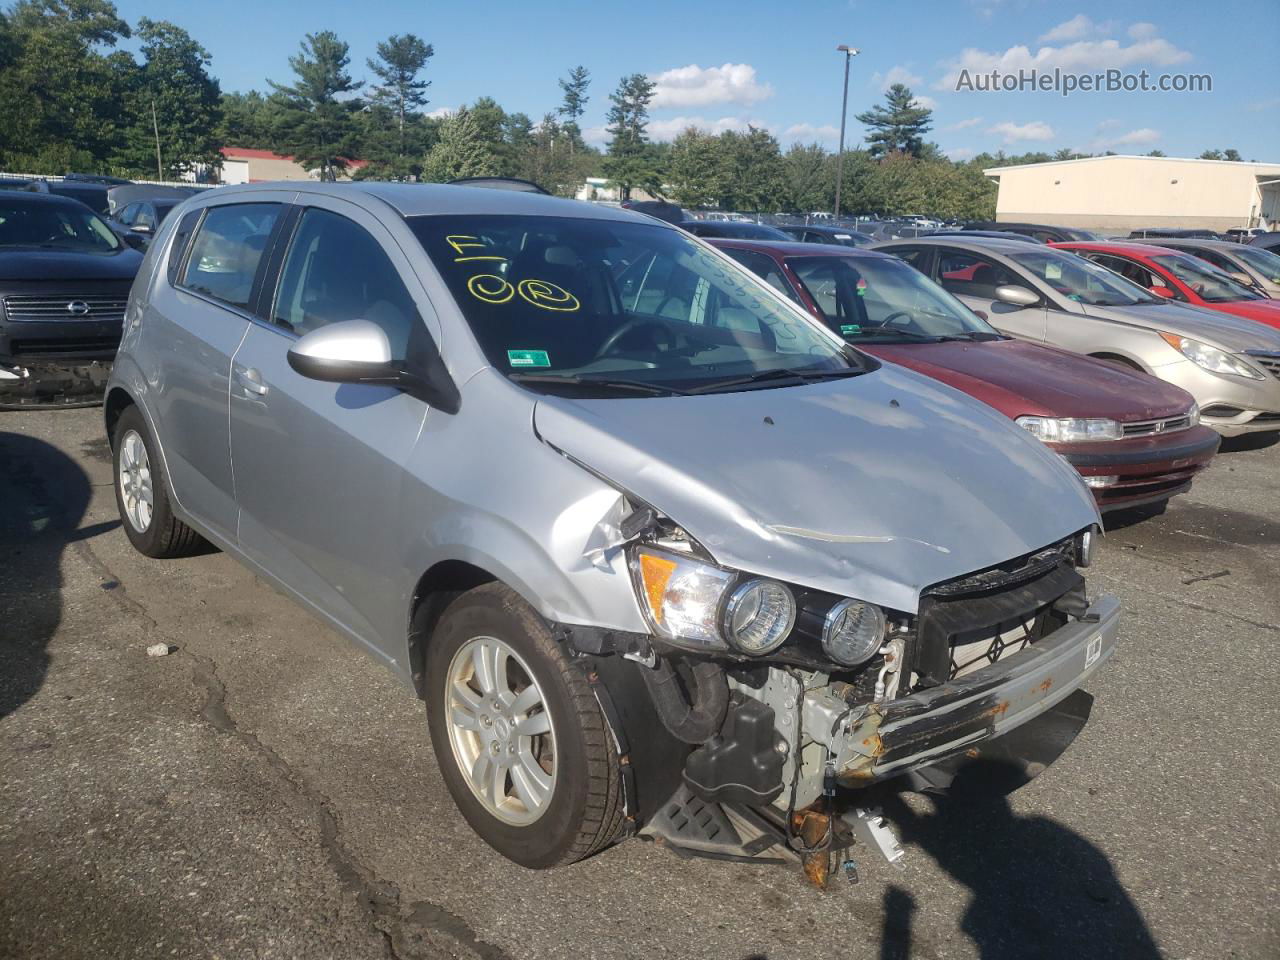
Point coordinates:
[(1135, 439), (1180, 276)]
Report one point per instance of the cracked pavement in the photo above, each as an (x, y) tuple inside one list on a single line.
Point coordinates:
[(268, 791)]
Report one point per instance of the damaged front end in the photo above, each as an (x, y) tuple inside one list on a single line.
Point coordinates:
[(45, 383), (782, 699)]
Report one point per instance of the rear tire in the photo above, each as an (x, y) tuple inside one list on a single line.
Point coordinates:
[(142, 493), (541, 800)]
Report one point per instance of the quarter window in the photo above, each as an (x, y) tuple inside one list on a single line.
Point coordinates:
[(335, 270), (227, 250)]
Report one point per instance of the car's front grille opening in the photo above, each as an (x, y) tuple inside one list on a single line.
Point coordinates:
[(1268, 361), (1221, 411), (1149, 428), (46, 309), (61, 347)]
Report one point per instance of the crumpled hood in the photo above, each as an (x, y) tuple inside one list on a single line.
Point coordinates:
[(873, 487), (1222, 330)]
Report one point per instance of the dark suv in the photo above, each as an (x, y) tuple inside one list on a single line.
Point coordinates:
[(64, 284)]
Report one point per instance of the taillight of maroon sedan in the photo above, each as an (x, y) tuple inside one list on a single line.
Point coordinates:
[(1133, 438)]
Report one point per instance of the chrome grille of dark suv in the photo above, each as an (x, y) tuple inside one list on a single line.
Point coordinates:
[(1147, 428), (46, 308)]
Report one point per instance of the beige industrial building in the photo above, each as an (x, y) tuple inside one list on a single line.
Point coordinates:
[(244, 165), (1118, 194)]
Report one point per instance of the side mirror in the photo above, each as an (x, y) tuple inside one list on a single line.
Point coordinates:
[(1017, 296), (1162, 291), (358, 351)]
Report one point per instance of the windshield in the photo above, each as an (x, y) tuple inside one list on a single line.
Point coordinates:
[(1209, 283), (1081, 280), (1264, 261), (53, 226), (867, 298), (607, 300)]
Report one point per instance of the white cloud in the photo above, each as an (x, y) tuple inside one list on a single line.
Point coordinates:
[(808, 133), (597, 136), (1143, 31), (671, 128), (1077, 28), (959, 153), (927, 102), (897, 74), (964, 124), (1078, 57), (440, 113), (1143, 136), (1014, 132), (694, 86)]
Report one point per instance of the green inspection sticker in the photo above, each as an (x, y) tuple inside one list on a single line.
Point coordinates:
[(850, 329), (528, 358)]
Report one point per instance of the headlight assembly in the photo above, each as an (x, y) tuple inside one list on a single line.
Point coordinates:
[(1211, 358), (1070, 429), (853, 632), (680, 597), (758, 616)]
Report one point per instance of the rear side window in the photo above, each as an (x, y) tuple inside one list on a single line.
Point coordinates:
[(227, 250), (181, 237), (764, 267), (335, 271), (969, 275)]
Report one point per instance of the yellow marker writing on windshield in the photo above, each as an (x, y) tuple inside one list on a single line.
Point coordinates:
[(548, 296), (490, 288), (460, 244)]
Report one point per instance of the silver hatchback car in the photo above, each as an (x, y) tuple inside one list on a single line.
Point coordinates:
[(659, 552)]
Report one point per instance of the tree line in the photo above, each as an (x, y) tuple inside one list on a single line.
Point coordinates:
[(70, 100)]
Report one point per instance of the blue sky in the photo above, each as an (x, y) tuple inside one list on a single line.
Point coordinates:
[(725, 64)]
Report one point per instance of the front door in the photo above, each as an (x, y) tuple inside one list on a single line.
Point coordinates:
[(973, 278), (319, 466)]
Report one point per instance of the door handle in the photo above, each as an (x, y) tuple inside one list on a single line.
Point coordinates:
[(251, 380)]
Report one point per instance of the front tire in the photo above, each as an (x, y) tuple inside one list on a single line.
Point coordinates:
[(142, 494), (520, 739)]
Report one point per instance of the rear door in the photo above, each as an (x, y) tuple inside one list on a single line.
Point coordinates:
[(972, 278), (193, 324), (319, 466)]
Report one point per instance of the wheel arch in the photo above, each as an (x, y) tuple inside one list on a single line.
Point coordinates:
[(434, 591), (118, 400)]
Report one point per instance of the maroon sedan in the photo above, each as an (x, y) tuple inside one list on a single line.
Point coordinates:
[(1135, 439)]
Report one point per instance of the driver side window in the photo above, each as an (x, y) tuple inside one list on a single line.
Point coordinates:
[(334, 271)]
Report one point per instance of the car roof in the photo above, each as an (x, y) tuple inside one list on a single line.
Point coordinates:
[(994, 244), (1174, 242), (794, 248), (1116, 246), (441, 199), (31, 198)]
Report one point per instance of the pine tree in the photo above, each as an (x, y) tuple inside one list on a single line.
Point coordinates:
[(401, 93), (461, 151), (899, 125), (315, 127), (631, 162), (574, 103)]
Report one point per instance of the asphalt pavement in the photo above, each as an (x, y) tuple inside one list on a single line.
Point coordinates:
[(266, 790)]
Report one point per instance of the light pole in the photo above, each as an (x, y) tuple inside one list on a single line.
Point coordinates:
[(849, 53)]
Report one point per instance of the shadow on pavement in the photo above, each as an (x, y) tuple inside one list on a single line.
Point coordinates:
[(1249, 441), (43, 497), (1038, 888)]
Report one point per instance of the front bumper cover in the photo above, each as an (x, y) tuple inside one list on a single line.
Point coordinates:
[(887, 739)]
